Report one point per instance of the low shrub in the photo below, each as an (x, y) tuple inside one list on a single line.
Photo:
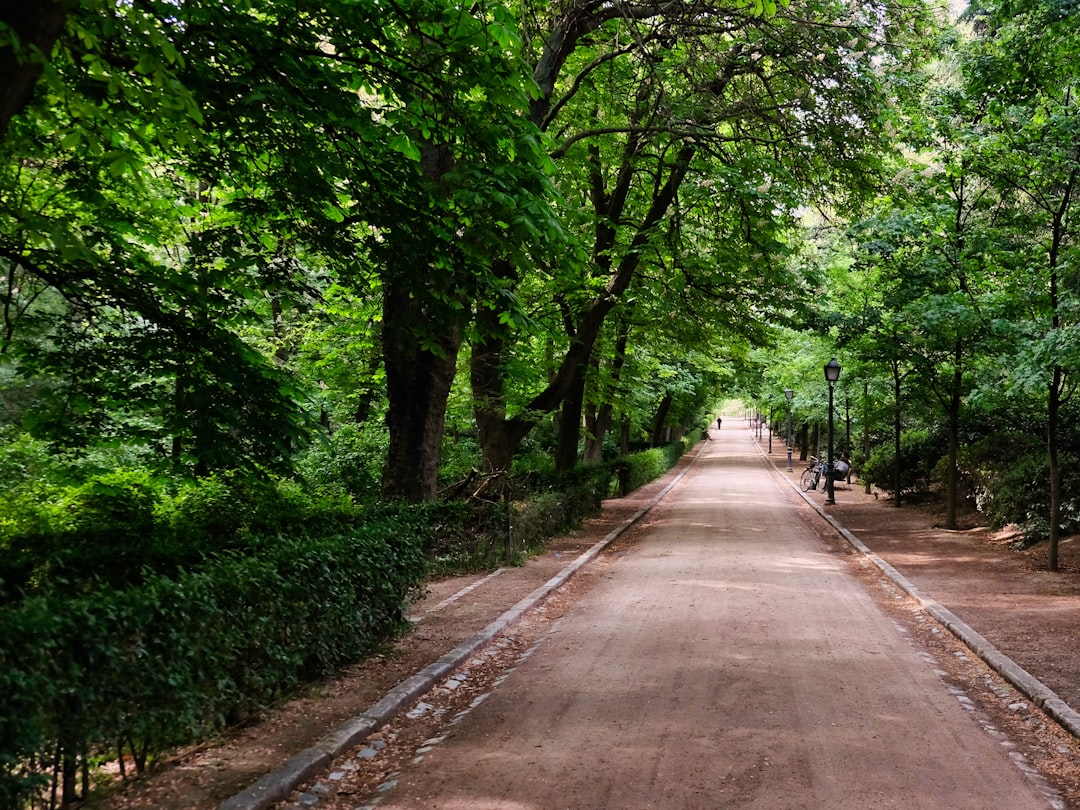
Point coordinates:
[(920, 451), (176, 658), (640, 468), (1017, 491), (118, 527), (350, 459)]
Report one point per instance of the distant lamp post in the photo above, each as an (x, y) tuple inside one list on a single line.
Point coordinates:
[(832, 374), (771, 422), (789, 394)]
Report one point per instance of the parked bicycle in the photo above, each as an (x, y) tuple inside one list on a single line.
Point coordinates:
[(814, 474)]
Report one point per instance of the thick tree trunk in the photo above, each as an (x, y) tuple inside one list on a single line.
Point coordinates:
[(1057, 381), (661, 418), (569, 437), (597, 424), (418, 385), (951, 473), (499, 437), (896, 432), (1054, 461), (366, 390), (867, 486), (563, 391), (38, 24)]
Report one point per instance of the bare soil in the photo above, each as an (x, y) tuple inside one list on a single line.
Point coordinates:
[(1008, 596)]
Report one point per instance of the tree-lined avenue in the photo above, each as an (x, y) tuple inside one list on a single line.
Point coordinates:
[(727, 660)]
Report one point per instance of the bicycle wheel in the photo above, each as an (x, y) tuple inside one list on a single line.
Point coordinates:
[(809, 479)]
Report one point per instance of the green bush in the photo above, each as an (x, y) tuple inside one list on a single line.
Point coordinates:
[(350, 460), (637, 469), (920, 451), (1017, 491), (118, 527), (177, 657)]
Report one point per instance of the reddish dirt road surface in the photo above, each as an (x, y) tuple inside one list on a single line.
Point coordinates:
[(730, 650)]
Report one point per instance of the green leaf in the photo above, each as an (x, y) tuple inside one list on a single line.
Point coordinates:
[(404, 144)]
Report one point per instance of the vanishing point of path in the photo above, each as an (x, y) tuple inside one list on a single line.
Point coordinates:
[(727, 660)]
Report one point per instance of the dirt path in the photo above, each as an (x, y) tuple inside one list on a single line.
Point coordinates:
[(727, 658), (944, 565)]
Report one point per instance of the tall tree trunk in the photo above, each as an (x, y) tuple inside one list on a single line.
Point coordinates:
[(1053, 416), (38, 25), (951, 474), (565, 389), (569, 438), (896, 431), (661, 418), (1057, 381), (418, 384), (597, 425), (499, 437), (866, 434), (600, 422), (366, 390)]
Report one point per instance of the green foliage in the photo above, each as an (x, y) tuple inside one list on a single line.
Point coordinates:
[(350, 459), (164, 611), (460, 456), (175, 658), (920, 451), (1009, 483), (120, 527), (637, 469)]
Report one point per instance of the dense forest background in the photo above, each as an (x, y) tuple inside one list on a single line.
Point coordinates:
[(304, 302)]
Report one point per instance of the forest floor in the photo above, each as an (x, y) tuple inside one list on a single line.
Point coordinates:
[(1009, 597)]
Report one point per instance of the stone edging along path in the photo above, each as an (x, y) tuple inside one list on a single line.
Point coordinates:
[(1024, 682), (278, 784)]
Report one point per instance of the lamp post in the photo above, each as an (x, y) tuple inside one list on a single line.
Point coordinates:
[(772, 416), (789, 394), (832, 374)]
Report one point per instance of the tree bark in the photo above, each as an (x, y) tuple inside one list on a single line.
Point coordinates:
[(661, 418), (599, 422), (1057, 381), (569, 438), (951, 474), (896, 431), (597, 425), (498, 434), (38, 25), (418, 385), (1053, 416)]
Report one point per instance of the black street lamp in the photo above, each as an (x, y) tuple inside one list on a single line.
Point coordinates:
[(832, 374), (789, 394)]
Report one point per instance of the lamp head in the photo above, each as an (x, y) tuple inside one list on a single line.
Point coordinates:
[(832, 371)]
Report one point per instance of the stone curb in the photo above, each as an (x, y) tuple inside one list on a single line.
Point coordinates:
[(1022, 680), (276, 786)]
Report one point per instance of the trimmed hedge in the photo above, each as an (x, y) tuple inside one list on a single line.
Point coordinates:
[(638, 469), (176, 658)]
